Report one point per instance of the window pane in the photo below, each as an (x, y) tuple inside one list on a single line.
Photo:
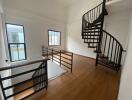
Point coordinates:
[(58, 38), (13, 52), (21, 51), (50, 38), (16, 42), (15, 33), (54, 38)]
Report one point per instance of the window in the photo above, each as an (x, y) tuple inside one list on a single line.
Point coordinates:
[(16, 42), (54, 38)]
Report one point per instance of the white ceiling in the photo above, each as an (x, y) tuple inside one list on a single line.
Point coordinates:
[(61, 3), (122, 5), (67, 2), (54, 7), (45, 8)]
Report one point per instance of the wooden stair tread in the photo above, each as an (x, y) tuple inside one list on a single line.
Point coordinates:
[(92, 38), (91, 28), (90, 42), (85, 31), (90, 35)]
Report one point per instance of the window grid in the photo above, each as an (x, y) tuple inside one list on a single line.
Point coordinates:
[(15, 42), (54, 38)]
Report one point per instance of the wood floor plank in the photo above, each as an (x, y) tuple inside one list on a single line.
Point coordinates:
[(87, 82)]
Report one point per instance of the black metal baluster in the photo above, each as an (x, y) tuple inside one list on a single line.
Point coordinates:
[(105, 44), (97, 12), (46, 75), (71, 63), (52, 54), (41, 77), (60, 57), (101, 42), (92, 16), (112, 51), (2, 88), (115, 54), (120, 55), (109, 47)]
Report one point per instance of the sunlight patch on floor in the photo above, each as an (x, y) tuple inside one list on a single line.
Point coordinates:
[(54, 70)]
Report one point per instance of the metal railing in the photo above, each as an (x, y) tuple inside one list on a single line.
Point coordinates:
[(108, 0), (111, 49), (40, 80), (62, 57), (108, 48)]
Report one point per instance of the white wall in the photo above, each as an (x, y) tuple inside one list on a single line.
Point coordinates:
[(125, 92), (37, 17), (1, 60), (35, 26), (75, 43), (3, 56), (115, 23), (1, 46)]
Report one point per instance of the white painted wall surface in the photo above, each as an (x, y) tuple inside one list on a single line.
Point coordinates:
[(115, 23), (125, 92), (36, 27), (3, 57), (36, 35), (75, 43), (37, 17)]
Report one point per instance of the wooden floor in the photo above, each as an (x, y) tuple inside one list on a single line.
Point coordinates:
[(87, 82)]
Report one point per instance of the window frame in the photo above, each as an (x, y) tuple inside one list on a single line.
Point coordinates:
[(17, 44), (48, 37)]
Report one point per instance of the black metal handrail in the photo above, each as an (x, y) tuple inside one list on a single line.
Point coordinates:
[(62, 57), (111, 49), (108, 48), (113, 38), (21, 65), (41, 84), (93, 17), (92, 11), (108, 0)]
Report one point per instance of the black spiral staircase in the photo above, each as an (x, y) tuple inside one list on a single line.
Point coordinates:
[(108, 49)]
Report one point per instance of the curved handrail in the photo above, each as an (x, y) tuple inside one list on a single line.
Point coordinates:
[(93, 8), (106, 45), (113, 38), (23, 64), (92, 15), (110, 48)]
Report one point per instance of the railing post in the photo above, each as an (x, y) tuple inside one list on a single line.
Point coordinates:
[(82, 24), (52, 54), (47, 53), (71, 63), (45, 62), (2, 87), (42, 50), (120, 56), (60, 57)]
